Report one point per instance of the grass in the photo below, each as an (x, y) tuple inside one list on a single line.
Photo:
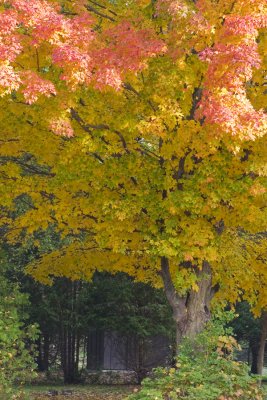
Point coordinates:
[(79, 392)]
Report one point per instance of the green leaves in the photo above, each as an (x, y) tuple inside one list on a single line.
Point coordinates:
[(205, 370), (16, 350)]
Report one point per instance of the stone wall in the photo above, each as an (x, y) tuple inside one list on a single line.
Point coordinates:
[(110, 377)]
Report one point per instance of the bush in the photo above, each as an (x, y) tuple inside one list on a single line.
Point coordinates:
[(16, 358), (205, 370)]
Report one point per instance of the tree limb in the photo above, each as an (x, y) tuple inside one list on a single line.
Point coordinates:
[(100, 14)]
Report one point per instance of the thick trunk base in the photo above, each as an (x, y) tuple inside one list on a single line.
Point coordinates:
[(190, 312)]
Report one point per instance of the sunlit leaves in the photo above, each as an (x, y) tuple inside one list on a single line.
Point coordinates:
[(138, 136)]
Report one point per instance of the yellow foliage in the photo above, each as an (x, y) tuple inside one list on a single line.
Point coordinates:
[(141, 178)]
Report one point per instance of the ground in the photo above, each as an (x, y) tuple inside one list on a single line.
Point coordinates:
[(79, 392)]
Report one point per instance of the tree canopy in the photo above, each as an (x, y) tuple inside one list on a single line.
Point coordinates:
[(137, 130)]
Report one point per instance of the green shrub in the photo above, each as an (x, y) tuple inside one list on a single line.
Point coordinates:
[(205, 370), (16, 358)]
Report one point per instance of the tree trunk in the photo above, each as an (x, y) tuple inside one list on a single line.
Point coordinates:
[(63, 350), (46, 352), (68, 356), (77, 354), (262, 343), (140, 369), (39, 358), (254, 348), (192, 311), (43, 352)]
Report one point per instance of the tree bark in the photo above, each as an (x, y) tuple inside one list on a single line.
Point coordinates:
[(63, 348), (77, 353), (39, 358), (43, 352), (254, 348), (192, 311), (262, 344), (46, 352)]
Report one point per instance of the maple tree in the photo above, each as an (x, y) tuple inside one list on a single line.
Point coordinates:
[(137, 129)]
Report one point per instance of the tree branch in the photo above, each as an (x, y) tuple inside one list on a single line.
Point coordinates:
[(103, 7), (96, 156), (31, 168), (100, 14), (89, 127), (196, 97)]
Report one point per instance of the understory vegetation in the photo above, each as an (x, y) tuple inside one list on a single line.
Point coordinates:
[(16, 343), (205, 369)]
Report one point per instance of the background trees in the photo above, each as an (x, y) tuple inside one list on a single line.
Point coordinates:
[(252, 332), (69, 312)]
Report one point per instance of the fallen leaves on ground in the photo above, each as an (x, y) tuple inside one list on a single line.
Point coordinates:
[(90, 394)]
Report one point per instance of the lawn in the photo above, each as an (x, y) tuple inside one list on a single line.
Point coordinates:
[(79, 392)]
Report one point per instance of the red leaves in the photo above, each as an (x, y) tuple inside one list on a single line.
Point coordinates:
[(224, 101), (243, 25), (127, 49), (232, 112), (84, 57), (34, 86), (8, 22), (103, 58), (10, 45)]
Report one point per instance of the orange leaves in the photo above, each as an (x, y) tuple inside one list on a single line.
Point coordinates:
[(10, 46), (86, 56), (232, 59), (9, 79), (36, 86), (103, 58), (62, 127), (225, 37)]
